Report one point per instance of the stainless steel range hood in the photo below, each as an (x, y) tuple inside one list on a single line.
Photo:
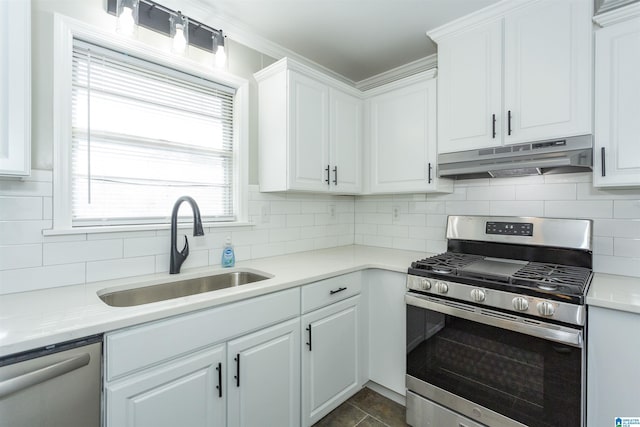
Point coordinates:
[(563, 155)]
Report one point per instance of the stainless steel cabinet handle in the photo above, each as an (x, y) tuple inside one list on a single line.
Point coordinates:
[(509, 122), (335, 291), (335, 176), (309, 343), (328, 180), (14, 385), (429, 168), (602, 161)]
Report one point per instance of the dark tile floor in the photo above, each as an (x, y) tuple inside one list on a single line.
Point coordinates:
[(365, 409)]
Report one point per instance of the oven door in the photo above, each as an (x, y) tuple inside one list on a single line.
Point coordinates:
[(493, 367)]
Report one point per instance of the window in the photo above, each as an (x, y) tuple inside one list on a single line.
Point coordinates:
[(144, 135), (137, 128)]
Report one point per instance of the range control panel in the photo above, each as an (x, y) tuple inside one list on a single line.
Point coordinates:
[(509, 228)]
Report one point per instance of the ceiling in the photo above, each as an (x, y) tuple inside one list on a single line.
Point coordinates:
[(357, 39)]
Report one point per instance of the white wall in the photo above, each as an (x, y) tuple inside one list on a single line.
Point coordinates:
[(421, 222)]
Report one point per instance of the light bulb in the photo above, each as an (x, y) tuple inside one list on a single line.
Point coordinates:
[(126, 22), (179, 41), (221, 57)]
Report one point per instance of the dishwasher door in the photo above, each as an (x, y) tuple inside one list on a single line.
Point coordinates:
[(56, 386)]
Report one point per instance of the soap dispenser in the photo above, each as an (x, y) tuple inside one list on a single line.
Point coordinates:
[(228, 256)]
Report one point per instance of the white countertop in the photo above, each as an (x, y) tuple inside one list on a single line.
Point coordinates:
[(615, 292), (35, 319)]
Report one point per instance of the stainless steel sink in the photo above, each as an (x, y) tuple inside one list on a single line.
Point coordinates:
[(180, 288)]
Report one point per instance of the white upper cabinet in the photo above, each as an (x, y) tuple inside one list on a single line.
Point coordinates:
[(309, 130), (469, 82), (617, 91), (402, 137), (15, 88), (515, 72)]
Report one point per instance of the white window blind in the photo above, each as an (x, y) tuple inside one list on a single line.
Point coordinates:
[(144, 135)]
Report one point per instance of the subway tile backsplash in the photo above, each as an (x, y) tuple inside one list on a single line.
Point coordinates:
[(282, 223), (286, 223), (616, 214)]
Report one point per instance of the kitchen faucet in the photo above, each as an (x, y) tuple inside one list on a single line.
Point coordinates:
[(178, 257)]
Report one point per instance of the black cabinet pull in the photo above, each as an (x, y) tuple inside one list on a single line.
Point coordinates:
[(335, 175), (335, 291), (237, 376), (494, 125), (429, 173), (328, 177), (219, 386), (509, 122), (309, 329), (602, 161)]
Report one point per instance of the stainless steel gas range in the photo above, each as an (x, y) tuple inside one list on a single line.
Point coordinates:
[(496, 325)]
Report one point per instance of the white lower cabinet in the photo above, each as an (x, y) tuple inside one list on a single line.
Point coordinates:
[(264, 377), (233, 365), (184, 392), (387, 329), (330, 358), (612, 366)]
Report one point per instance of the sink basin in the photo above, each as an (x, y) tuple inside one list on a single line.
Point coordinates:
[(179, 288)]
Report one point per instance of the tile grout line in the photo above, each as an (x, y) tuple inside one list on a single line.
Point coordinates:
[(366, 414)]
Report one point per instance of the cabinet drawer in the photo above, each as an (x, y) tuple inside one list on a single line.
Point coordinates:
[(328, 291), (137, 347)]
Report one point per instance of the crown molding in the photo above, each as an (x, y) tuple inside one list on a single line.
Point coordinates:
[(406, 81), (623, 13), (480, 17), (406, 70)]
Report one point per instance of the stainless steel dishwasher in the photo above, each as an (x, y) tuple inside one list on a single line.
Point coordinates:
[(55, 386)]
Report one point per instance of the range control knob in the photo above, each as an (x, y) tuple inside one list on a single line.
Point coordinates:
[(442, 287), (477, 295), (425, 284), (546, 309), (520, 304)]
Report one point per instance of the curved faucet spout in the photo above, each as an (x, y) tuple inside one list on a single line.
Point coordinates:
[(178, 257)]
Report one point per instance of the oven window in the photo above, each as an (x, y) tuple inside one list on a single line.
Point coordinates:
[(528, 379)]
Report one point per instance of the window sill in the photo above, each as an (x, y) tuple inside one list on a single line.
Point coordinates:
[(138, 227)]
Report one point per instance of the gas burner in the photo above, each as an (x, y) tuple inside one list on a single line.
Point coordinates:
[(548, 286), (442, 270)]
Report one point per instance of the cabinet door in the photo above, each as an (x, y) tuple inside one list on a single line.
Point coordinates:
[(547, 71), (345, 142), (264, 377), (330, 364), (308, 133), (15, 88), (617, 128), (403, 128), (470, 89), (184, 392), (612, 366)]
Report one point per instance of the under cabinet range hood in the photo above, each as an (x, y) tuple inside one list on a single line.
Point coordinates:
[(562, 155)]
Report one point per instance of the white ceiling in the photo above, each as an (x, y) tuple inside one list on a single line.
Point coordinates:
[(355, 38)]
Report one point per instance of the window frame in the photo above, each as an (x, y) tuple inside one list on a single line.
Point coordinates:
[(65, 30)]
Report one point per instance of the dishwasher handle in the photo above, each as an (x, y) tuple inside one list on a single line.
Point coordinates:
[(16, 384)]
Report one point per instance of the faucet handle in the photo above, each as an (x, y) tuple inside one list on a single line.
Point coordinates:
[(185, 251)]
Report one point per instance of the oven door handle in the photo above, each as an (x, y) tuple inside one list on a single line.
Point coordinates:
[(550, 332)]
